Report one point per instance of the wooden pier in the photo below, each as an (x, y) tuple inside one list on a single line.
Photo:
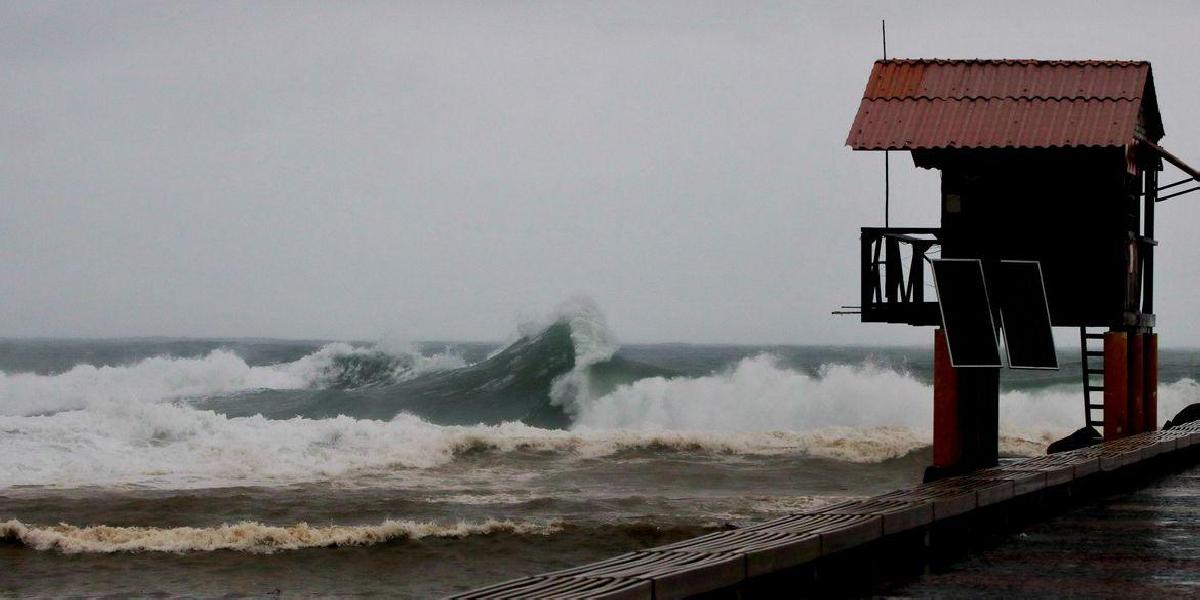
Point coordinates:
[(1137, 544), (854, 547)]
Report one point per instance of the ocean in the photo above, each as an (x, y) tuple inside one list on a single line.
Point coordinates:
[(252, 468)]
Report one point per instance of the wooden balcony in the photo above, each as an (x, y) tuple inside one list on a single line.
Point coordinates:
[(894, 281)]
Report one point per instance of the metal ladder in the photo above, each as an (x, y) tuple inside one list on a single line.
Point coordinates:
[(1086, 354)]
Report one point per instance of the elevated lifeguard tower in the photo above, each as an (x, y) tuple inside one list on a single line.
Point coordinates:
[(1049, 179)]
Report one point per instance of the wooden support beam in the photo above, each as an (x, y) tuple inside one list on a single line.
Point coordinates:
[(1151, 196), (867, 276), (893, 272), (1171, 158)]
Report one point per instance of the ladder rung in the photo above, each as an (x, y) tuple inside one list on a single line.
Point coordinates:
[(1094, 336), (1095, 406), (1095, 388), (1095, 371), (1092, 423), (1094, 353)]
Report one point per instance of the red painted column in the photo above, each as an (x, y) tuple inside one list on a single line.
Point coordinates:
[(1116, 385), (1137, 385), (947, 439), (1150, 396)]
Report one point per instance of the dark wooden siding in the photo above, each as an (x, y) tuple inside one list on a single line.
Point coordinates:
[(1071, 211)]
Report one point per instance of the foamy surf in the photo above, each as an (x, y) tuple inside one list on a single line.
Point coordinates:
[(249, 536), (220, 372), (170, 446), (134, 425), (166, 445)]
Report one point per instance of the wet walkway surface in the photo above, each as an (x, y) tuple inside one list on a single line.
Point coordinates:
[(1138, 545)]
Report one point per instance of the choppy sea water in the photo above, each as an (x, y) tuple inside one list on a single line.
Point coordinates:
[(265, 467)]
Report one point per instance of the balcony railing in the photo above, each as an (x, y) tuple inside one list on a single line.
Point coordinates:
[(892, 293)]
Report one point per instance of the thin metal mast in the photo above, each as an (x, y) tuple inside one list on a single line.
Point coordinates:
[(887, 166)]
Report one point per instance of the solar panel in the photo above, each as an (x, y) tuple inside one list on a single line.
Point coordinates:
[(1024, 314), (966, 312)]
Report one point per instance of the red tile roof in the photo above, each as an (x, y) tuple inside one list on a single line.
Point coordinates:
[(924, 104)]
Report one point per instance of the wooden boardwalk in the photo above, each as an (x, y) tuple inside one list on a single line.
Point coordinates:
[(1142, 544), (851, 547)]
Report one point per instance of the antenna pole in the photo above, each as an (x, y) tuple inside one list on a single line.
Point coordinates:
[(887, 162)]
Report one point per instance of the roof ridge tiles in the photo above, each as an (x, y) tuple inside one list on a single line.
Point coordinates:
[(1040, 98), (1020, 61)]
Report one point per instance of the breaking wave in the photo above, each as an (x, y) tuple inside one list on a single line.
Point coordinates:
[(249, 536), (559, 388), (220, 372), (760, 395), (174, 446)]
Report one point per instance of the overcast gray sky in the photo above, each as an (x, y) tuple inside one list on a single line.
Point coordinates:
[(439, 169)]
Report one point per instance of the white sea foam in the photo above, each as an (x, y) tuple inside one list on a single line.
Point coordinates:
[(594, 343), (851, 413), (760, 395), (162, 378), (249, 536), (593, 340), (484, 499), (151, 379), (174, 446), (115, 426)]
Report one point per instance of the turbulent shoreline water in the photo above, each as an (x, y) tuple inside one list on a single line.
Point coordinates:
[(209, 467)]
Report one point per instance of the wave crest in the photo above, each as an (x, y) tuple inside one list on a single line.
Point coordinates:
[(594, 343), (341, 366), (219, 372), (249, 537), (758, 394), (863, 413)]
